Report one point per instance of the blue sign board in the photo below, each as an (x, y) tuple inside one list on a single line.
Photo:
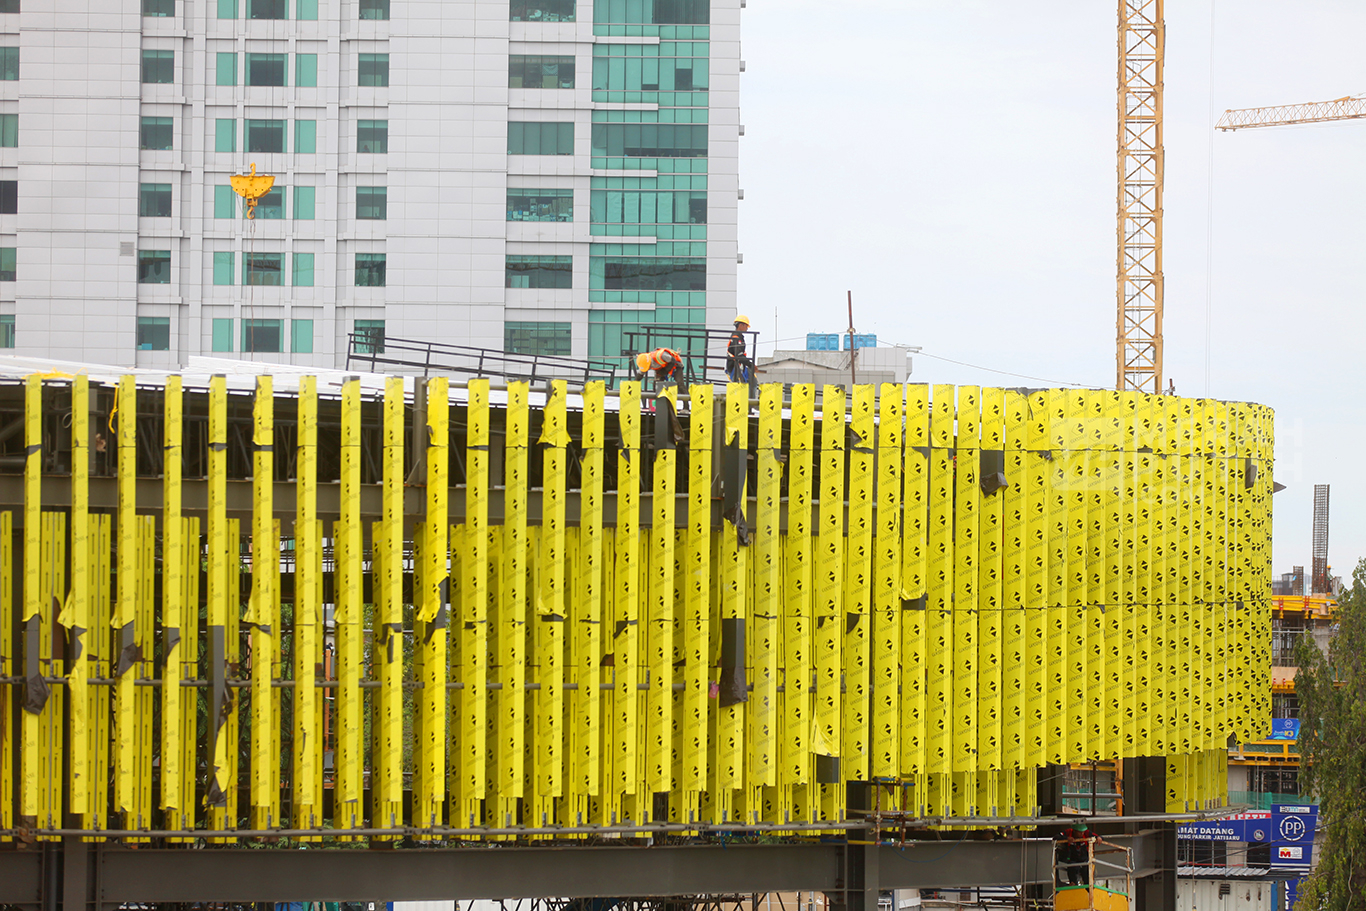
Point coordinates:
[(1250, 827), (1292, 892), (1285, 729), (1293, 828)]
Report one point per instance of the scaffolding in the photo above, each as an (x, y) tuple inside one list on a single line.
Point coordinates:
[(1319, 580)]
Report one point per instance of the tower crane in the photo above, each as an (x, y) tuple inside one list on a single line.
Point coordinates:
[(1138, 324), (1348, 107)]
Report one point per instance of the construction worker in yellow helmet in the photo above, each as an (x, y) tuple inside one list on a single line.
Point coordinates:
[(738, 365)]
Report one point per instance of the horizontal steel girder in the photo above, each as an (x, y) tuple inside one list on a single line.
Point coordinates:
[(493, 872)]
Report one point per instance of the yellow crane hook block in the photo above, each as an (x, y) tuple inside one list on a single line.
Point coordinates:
[(252, 187)]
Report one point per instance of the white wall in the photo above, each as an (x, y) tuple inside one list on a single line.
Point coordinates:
[(79, 167), (1203, 895)]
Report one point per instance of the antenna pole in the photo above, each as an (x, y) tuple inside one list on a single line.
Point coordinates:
[(853, 352)]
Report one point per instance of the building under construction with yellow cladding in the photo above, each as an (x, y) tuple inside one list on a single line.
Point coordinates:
[(370, 607)]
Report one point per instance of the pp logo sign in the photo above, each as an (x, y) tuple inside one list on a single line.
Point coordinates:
[(1293, 828)]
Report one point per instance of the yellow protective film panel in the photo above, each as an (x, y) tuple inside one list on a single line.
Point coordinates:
[(885, 752), (940, 588), (990, 595)]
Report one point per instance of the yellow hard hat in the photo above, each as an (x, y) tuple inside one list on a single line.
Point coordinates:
[(642, 362), (741, 318)]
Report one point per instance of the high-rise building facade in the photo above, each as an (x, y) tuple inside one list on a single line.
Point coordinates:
[(529, 175)]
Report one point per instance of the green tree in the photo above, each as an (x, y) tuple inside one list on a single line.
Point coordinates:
[(1332, 695)]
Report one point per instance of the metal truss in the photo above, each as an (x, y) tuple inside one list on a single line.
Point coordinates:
[(1142, 39), (1349, 107)]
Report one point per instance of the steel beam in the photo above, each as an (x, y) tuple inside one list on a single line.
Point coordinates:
[(483, 872), (852, 872), (175, 875)]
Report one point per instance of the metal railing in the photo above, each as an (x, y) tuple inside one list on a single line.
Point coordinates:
[(364, 349), (703, 349), (1267, 752), (1262, 800)]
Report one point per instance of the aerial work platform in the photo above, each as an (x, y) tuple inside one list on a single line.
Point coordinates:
[(383, 608)]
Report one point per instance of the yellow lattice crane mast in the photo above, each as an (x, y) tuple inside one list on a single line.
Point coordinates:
[(1138, 337), (1348, 107), (251, 187)]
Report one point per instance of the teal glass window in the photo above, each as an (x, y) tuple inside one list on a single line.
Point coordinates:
[(9, 6), (304, 198), (158, 8), (225, 135), (154, 267), (9, 64), (306, 9), (642, 68), (532, 138), (653, 12), (306, 70), (154, 200), (650, 140), (266, 69), (372, 202), (301, 336), (222, 335), (648, 273), (607, 329), (540, 72), (540, 205), (539, 272), (9, 197), (302, 273), (262, 336), (541, 11), (227, 9), (369, 336), (9, 131), (373, 69), (374, 9), (272, 205), (225, 68), (371, 270), (222, 269), (551, 339), (7, 330), (263, 269), (156, 132), (9, 258), (267, 9), (154, 333), (224, 202), (372, 136), (158, 67), (305, 137), (650, 207), (265, 135)]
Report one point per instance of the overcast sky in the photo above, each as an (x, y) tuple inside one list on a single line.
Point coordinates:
[(953, 164)]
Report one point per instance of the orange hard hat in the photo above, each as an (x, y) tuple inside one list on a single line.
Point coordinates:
[(642, 362)]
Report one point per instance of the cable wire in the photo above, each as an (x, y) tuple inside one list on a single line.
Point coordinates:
[(1023, 376)]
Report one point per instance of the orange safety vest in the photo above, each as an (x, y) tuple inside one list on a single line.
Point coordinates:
[(664, 361)]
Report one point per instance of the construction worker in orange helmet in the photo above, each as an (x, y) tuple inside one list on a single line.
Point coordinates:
[(665, 362), (737, 364)]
